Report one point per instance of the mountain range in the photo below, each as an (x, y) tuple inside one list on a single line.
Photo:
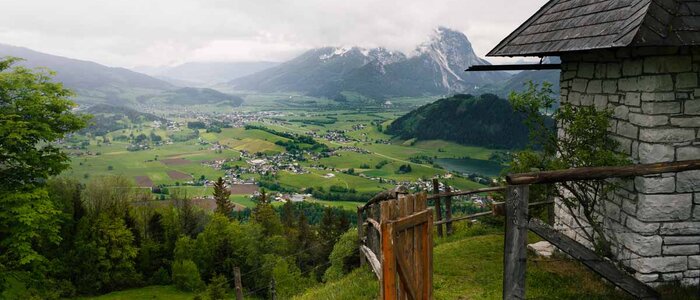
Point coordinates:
[(94, 83), (435, 67), (205, 73)]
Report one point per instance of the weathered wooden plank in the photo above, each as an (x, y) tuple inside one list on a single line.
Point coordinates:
[(594, 173), (374, 223), (414, 254), (427, 252), (403, 243), (413, 220), (438, 208), (376, 233), (373, 261), (515, 253), (420, 242), (388, 282), (405, 269), (591, 260), (386, 195)]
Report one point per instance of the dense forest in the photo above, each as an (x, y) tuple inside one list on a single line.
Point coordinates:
[(486, 121), (108, 118), (194, 96), (60, 238)]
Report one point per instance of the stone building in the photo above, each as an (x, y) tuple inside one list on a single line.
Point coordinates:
[(641, 59)]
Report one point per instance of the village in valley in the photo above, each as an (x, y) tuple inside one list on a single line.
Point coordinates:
[(277, 147)]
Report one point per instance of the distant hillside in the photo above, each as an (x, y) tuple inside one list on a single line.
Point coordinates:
[(206, 73), (107, 118), (93, 83), (194, 96), (80, 74), (487, 121), (518, 82), (435, 67)]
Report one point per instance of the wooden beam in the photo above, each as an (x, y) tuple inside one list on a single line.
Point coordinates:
[(467, 217), (373, 261), (237, 283), (594, 173), (586, 256), (515, 244), (438, 206), (386, 195), (360, 232), (448, 211), (514, 67), (374, 224), (404, 269), (470, 192), (411, 221), (388, 279)]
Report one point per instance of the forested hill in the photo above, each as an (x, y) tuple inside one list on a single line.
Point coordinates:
[(485, 120)]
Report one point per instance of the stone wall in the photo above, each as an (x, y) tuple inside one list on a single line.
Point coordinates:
[(654, 221)]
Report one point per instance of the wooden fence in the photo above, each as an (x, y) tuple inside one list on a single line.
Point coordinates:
[(396, 239), (393, 220)]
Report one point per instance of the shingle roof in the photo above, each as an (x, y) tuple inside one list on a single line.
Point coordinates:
[(573, 25)]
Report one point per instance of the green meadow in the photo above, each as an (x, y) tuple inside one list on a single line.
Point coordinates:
[(174, 164)]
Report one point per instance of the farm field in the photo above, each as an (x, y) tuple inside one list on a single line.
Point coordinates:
[(365, 154)]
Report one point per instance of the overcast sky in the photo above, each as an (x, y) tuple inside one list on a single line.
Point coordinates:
[(130, 33)]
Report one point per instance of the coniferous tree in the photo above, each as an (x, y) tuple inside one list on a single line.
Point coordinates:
[(188, 220), (287, 215), (155, 229), (305, 243), (221, 195)]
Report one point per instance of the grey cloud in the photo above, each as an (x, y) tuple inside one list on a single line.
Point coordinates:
[(157, 32)]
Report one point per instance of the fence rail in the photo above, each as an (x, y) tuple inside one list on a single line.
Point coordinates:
[(595, 173), (385, 247)]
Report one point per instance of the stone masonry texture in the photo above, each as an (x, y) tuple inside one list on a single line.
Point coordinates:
[(654, 96)]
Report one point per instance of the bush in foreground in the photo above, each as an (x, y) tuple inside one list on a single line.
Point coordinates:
[(186, 276)]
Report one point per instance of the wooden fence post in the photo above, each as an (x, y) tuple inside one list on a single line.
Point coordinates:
[(388, 282), (515, 244), (448, 210), (237, 283), (360, 229), (550, 211), (438, 207), (273, 292)]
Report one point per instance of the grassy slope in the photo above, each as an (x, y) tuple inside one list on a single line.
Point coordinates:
[(359, 285), (150, 292), (471, 268)]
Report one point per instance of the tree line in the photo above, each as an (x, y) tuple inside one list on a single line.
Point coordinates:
[(61, 238)]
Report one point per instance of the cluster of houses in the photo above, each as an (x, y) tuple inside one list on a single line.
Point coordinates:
[(271, 164), (354, 149)]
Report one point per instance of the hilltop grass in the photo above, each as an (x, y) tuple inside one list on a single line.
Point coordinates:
[(164, 292), (469, 265), (360, 284)]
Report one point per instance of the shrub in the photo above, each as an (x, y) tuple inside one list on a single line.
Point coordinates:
[(186, 276), (217, 288), (161, 277), (344, 257)]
